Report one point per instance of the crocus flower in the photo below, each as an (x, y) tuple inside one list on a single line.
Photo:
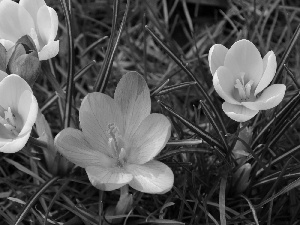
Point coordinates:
[(241, 77), (119, 139), (18, 111), (33, 18)]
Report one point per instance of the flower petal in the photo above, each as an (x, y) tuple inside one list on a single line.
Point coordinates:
[(108, 179), (20, 99), (153, 177), (224, 82), (27, 109), (14, 145), (270, 65), (133, 96), (15, 21), (149, 138), (72, 144), (7, 44), (243, 56), (269, 98), (238, 113), (32, 6), (97, 111), (2, 75), (47, 23), (49, 51), (216, 57)]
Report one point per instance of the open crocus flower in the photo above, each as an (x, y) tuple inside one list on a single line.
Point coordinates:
[(119, 139), (33, 18), (241, 77), (18, 112)]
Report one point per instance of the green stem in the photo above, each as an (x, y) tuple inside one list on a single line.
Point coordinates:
[(100, 206), (124, 191)]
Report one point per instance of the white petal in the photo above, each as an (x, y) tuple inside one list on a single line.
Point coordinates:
[(133, 96), (238, 113), (7, 44), (47, 23), (15, 21), (32, 6), (12, 146), (97, 111), (269, 98), (72, 144), (224, 82), (20, 99), (2, 75), (108, 179), (216, 57), (49, 51), (243, 56), (153, 177), (270, 65), (149, 139), (27, 109)]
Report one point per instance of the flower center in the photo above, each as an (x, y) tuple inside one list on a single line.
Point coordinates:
[(117, 144), (243, 89), (9, 121)]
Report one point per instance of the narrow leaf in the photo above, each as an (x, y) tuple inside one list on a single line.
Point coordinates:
[(199, 131), (189, 73)]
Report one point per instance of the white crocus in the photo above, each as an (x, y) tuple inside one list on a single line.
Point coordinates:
[(18, 112), (241, 77), (33, 18)]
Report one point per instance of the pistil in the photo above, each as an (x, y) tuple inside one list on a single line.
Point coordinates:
[(244, 90), (116, 143), (9, 121)]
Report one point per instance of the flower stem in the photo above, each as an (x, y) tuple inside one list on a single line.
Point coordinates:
[(124, 191), (100, 206)]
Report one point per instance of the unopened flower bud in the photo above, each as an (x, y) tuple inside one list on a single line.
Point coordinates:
[(27, 42), (241, 178), (25, 65), (15, 53)]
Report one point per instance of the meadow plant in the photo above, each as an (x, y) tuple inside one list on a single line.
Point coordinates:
[(200, 134)]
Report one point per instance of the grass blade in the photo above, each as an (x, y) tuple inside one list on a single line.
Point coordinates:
[(78, 75), (286, 54), (215, 126), (175, 87), (278, 133), (280, 116), (199, 131), (222, 200), (70, 85), (104, 73), (33, 199), (190, 74)]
